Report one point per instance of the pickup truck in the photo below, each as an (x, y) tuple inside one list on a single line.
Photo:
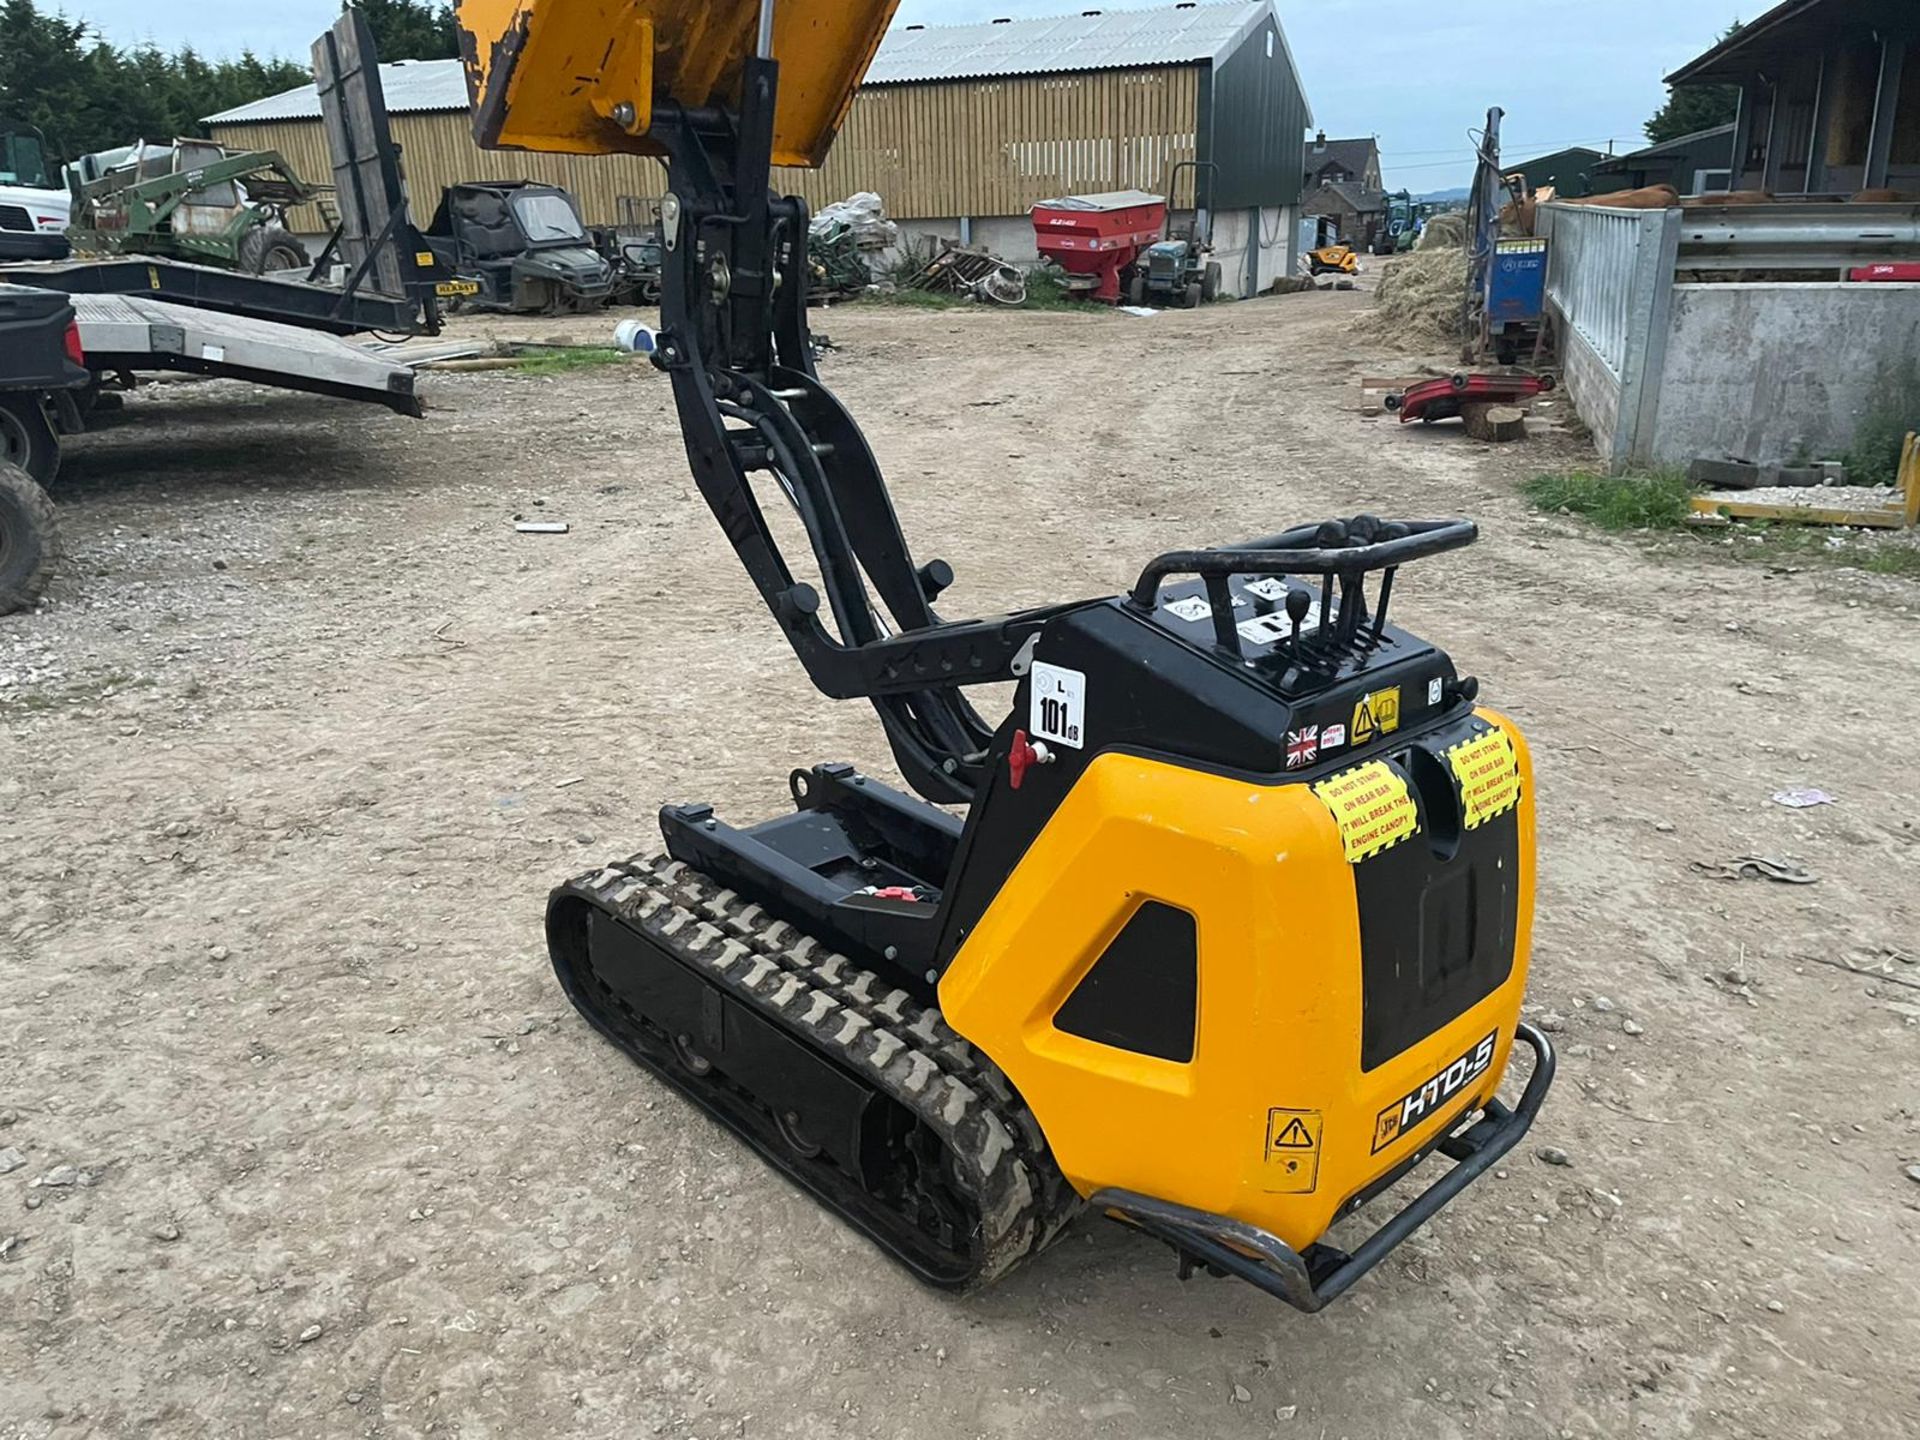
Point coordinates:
[(41, 368)]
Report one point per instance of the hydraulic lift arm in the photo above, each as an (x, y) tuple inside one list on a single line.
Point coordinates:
[(667, 77)]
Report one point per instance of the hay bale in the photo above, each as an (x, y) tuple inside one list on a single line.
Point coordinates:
[(1420, 299), (1445, 232)]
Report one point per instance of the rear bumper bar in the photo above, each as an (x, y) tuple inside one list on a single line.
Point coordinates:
[(1310, 1280)]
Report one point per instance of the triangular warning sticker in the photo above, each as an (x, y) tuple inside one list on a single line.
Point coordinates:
[(1364, 725), (1295, 1137)]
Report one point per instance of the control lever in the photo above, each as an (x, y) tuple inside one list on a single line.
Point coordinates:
[(1298, 603), (1392, 530)]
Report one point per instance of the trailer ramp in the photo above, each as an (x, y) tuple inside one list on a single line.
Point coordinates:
[(130, 332)]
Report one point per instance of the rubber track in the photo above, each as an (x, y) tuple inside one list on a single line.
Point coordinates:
[(869, 1028)]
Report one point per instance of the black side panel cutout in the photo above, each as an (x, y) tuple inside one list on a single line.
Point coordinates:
[(1143, 993)]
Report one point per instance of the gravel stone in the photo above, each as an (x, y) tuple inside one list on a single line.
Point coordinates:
[(1554, 1155)]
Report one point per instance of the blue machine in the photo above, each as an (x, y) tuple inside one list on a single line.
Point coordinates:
[(1516, 300), (1517, 286)]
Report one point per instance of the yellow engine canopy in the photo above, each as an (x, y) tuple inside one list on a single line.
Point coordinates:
[(583, 76)]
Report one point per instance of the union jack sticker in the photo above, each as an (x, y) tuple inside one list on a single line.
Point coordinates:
[(1303, 747)]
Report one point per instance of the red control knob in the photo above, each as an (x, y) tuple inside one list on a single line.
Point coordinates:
[(1023, 754)]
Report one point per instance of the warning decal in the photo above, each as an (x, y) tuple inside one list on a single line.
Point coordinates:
[(1489, 775), (1376, 715), (1293, 1152), (1373, 808)]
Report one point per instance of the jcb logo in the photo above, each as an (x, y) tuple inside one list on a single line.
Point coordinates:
[(1420, 1103)]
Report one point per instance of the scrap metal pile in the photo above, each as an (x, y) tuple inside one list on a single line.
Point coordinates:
[(974, 272)]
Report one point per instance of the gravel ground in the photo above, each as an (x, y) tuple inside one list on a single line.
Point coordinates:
[(297, 1137)]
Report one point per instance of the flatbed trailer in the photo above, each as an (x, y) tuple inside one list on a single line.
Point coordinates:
[(229, 292), (137, 334)]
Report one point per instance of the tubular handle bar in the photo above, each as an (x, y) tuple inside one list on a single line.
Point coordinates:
[(1335, 547)]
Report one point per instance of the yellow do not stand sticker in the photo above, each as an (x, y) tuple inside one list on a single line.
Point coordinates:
[(1489, 775), (1372, 806)]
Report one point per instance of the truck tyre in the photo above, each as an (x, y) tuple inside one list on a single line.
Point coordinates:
[(1191, 297), (269, 250), (27, 438), (1137, 289), (29, 539), (1210, 282)]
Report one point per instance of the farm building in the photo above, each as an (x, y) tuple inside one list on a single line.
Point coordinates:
[(961, 129), (1573, 174), (1829, 97), (1696, 164)]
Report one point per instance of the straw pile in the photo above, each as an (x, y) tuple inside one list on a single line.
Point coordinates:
[(1420, 299), (1445, 232)]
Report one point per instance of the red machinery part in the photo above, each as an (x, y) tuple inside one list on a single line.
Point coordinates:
[(1445, 398), (1099, 235), (1899, 270)]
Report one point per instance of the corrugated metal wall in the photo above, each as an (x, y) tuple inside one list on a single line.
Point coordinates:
[(1256, 118), (930, 151), (964, 147)]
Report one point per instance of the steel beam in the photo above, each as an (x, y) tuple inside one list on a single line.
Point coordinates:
[(1893, 57), (1776, 139), (1743, 134), (1818, 141)]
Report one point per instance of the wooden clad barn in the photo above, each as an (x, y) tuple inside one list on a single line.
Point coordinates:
[(961, 129)]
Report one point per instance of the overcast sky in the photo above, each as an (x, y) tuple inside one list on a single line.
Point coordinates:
[(1417, 75)]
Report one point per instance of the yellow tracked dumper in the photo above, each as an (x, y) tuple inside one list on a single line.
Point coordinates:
[(1233, 935)]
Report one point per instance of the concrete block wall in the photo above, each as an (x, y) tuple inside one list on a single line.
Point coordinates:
[(1777, 372)]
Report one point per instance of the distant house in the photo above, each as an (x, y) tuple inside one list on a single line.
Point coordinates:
[(1572, 173), (1332, 162), (1342, 194), (1346, 210), (1696, 164), (1829, 96)]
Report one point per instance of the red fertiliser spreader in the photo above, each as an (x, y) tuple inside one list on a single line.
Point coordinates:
[(1094, 238), (1444, 399)]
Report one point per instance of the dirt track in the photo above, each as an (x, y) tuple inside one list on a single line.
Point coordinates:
[(289, 765)]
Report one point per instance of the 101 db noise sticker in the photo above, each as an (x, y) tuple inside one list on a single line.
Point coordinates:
[(1059, 709), (1373, 808), (1489, 775)]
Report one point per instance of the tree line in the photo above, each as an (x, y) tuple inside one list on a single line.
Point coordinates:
[(86, 94)]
